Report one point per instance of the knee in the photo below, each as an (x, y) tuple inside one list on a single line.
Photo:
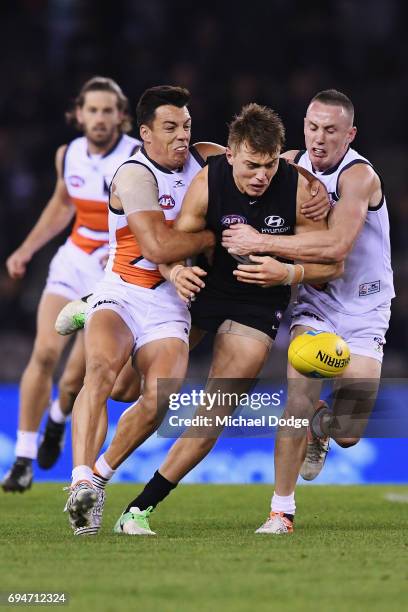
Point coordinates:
[(346, 442), (299, 406), (100, 375), (45, 357)]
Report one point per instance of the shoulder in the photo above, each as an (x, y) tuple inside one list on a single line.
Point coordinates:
[(357, 174), (207, 149), (133, 173)]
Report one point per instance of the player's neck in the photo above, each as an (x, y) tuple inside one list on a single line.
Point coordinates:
[(100, 149)]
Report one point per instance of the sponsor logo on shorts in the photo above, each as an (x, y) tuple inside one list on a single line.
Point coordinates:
[(105, 302), (369, 288), (228, 220), (307, 313), (274, 221), (380, 344), (167, 202), (76, 181), (279, 315)]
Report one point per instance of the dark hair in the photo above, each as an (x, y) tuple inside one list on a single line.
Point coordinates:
[(98, 83), (159, 96), (334, 98), (259, 126)]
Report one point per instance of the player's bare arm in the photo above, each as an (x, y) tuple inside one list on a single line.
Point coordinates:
[(359, 186), (55, 217), (134, 191), (268, 272), (206, 149), (192, 218)]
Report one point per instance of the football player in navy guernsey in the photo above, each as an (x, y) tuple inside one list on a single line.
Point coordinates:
[(356, 306), (250, 184)]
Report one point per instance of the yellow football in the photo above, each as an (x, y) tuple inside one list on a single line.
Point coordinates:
[(319, 354)]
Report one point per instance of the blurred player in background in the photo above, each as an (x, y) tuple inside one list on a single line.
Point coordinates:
[(84, 170), (355, 306)]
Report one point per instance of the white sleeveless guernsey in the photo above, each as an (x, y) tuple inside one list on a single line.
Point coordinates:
[(367, 281), (87, 178), (126, 263)]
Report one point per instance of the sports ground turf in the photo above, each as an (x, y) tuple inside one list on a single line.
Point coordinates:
[(349, 552)]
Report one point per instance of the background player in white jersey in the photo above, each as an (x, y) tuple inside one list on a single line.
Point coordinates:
[(84, 170), (134, 311), (356, 306)]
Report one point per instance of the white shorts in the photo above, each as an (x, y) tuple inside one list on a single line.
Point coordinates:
[(74, 273), (364, 333), (150, 314)]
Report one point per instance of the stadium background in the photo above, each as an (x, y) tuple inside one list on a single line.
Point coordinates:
[(227, 54)]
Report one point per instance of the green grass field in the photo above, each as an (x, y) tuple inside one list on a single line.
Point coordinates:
[(349, 552)]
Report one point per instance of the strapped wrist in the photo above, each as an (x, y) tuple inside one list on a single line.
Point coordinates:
[(295, 274)]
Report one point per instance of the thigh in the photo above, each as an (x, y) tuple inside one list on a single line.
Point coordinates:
[(108, 339), (303, 392)]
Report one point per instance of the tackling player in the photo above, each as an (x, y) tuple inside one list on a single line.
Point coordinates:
[(355, 306)]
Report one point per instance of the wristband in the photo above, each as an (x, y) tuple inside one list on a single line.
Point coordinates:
[(295, 274), (174, 272)]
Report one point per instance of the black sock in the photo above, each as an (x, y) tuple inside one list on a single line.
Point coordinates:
[(154, 492), (24, 460)]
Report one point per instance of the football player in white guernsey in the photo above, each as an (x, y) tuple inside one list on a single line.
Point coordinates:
[(356, 306), (134, 310), (84, 169)]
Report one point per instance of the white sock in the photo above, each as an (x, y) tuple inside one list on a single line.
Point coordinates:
[(81, 472), (56, 413), (27, 444), (283, 503), (103, 468)]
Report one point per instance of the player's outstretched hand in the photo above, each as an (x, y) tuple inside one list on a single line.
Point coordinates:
[(17, 263), (265, 271), (241, 239), (188, 281)]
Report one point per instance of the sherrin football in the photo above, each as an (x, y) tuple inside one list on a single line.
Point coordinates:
[(319, 354)]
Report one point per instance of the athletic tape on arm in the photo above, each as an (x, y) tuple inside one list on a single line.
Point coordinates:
[(136, 187)]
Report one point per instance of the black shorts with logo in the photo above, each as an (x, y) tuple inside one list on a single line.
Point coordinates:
[(208, 312)]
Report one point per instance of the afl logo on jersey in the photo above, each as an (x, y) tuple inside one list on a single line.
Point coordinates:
[(274, 221), (167, 202), (76, 181), (228, 220)]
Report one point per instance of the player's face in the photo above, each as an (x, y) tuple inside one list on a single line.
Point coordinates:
[(100, 117), (252, 171), (168, 138), (328, 134)]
